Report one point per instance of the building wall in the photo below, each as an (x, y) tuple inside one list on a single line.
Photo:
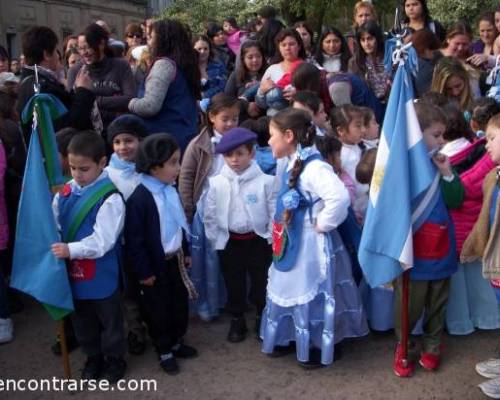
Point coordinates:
[(65, 17)]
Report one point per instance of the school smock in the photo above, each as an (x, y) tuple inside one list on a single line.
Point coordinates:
[(300, 285), (239, 203)]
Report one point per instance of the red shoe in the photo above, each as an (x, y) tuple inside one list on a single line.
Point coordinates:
[(399, 368), (429, 361)]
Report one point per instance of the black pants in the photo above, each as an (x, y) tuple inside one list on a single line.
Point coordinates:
[(98, 326), (165, 308), (239, 258)]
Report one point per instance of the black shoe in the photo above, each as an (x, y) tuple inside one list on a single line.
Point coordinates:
[(314, 360), (93, 367), (238, 330), (71, 344), (114, 369), (170, 366), (281, 351), (185, 351), (135, 345)]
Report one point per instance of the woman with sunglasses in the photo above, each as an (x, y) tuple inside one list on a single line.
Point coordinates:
[(133, 35)]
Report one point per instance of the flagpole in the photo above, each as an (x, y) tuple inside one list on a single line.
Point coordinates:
[(61, 332), (398, 33), (404, 318)]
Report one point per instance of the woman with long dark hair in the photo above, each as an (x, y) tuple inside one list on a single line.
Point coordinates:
[(368, 60), (332, 53), (417, 17), (245, 80), (167, 100), (112, 79), (213, 72)]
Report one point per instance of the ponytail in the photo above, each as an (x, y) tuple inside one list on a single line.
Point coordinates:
[(300, 124)]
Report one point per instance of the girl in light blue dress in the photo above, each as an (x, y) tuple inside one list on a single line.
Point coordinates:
[(312, 299)]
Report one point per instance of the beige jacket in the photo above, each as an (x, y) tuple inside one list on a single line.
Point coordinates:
[(195, 168), (483, 242)]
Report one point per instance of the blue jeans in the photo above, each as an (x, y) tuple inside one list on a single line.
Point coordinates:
[(274, 99), (250, 92)]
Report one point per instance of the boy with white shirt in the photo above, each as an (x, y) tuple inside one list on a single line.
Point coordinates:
[(90, 213), (238, 223)]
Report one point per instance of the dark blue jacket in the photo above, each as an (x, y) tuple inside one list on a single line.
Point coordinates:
[(143, 248)]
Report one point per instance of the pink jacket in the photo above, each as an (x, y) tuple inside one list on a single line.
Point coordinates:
[(234, 41), (472, 178), (4, 227)]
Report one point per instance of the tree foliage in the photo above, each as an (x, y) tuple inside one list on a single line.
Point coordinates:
[(450, 11), (318, 12)]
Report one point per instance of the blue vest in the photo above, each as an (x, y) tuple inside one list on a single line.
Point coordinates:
[(178, 115), (434, 246), (89, 279), (285, 257)]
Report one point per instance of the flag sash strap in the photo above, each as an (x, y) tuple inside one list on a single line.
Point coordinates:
[(84, 204)]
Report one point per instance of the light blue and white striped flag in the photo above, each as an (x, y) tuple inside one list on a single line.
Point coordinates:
[(403, 190)]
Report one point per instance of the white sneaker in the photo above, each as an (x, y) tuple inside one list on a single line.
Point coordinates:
[(6, 330), (489, 369), (491, 388)]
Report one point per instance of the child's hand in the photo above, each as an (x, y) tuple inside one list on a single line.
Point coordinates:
[(443, 164), (289, 92), (267, 85), (187, 262), (149, 281), (60, 250), (318, 229)]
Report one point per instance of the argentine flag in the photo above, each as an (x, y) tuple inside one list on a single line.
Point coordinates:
[(403, 191)]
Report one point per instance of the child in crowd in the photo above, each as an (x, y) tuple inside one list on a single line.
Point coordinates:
[(330, 149), (471, 302), (63, 137), (6, 326), (263, 153), (124, 135), (348, 123), (91, 246), (483, 242), (235, 36), (310, 102), (311, 296), (434, 253), (458, 133), (481, 111), (238, 214), (198, 164), (155, 231), (372, 132)]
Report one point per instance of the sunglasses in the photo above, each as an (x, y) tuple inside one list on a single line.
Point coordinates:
[(134, 35)]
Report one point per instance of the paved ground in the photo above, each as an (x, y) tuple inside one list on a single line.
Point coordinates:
[(240, 371)]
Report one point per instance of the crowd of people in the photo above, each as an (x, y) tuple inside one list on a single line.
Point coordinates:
[(223, 171)]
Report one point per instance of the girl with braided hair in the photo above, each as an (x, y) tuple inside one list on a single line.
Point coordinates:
[(312, 300)]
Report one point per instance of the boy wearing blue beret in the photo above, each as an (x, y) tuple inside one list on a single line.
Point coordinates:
[(238, 223)]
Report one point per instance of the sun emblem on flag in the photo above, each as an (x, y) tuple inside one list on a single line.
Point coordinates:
[(378, 177)]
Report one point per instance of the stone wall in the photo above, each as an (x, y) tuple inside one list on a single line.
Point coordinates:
[(65, 17)]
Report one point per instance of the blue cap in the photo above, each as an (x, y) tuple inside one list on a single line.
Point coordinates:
[(234, 138)]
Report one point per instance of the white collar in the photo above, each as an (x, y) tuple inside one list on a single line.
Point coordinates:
[(74, 185), (251, 172)]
